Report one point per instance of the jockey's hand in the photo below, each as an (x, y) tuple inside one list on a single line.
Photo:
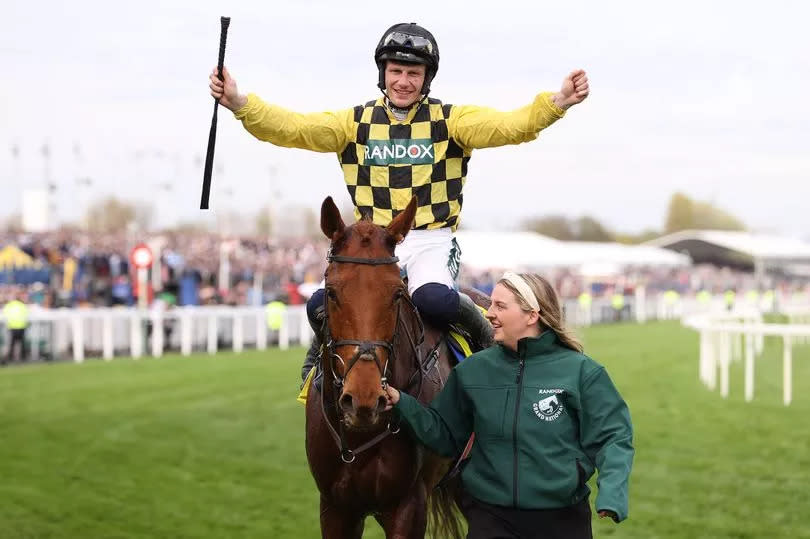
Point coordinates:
[(611, 514), (226, 91), (574, 90), (391, 397)]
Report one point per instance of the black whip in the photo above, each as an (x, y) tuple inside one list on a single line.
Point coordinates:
[(212, 135)]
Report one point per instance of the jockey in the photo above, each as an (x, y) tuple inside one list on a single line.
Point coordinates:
[(405, 144)]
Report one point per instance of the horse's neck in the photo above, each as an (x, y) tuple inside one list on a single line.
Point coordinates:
[(409, 348), (413, 357)]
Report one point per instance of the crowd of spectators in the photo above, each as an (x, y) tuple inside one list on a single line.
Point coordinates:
[(85, 269), (686, 281)]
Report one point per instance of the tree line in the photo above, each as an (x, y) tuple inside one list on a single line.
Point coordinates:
[(683, 213)]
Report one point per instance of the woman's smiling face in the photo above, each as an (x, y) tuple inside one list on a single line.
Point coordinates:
[(510, 322)]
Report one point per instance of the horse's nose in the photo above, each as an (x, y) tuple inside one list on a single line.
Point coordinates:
[(347, 403)]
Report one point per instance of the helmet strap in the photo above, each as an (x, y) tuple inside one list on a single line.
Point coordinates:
[(397, 111)]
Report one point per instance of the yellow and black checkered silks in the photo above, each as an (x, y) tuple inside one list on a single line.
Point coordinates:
[(381, 191)]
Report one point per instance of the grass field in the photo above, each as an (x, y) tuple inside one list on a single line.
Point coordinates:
[(212, 447)]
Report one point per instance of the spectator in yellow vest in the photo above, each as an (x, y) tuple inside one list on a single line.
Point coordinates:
[(585, 299), (704, 297), (274, 313), (15, 313), (617, 302), (730, 296)]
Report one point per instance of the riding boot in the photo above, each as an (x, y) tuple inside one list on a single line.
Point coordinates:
[(314, 352), (473, 320)]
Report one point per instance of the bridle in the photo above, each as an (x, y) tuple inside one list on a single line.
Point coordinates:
[(367, 351)]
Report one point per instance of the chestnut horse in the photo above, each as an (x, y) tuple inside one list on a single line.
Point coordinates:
[(363, 465)]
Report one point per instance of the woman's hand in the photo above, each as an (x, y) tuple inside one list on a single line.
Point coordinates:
[(391, 397), (611, 514)]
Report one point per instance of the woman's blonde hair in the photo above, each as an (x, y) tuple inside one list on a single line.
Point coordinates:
[(551, 316)]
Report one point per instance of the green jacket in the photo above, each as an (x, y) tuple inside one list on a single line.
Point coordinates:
[(544, 419)]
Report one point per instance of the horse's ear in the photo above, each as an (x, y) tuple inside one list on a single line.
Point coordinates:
[(402, 223), (331, 222)]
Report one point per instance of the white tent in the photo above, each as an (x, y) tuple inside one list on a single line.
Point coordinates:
[(758, 251), (530, 251), (498, 250)]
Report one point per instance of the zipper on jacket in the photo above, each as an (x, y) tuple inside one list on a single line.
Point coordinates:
[(519, 382)]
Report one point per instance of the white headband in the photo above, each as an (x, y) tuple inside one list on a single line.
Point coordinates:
[(523, 289)]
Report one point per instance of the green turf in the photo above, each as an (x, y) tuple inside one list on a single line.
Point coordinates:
[(212, 447)]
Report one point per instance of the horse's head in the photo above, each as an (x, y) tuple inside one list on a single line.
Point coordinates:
[(364, 300)]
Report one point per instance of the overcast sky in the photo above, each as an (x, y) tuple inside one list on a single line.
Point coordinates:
[(707, 98)]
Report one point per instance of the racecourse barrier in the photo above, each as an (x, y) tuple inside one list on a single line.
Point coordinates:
[(121, 331), (738, 335), (643, 306)]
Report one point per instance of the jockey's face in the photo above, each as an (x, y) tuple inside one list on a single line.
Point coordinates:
[(403, 83)]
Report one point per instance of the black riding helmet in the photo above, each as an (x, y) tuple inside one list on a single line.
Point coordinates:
[(408, 43)]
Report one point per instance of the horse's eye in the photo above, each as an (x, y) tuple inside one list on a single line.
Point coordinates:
[(332, 297)]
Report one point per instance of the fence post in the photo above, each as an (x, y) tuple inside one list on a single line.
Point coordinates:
[(712, 360), (703, 362), (787, 370), (641, 304), (212, 333), (157, 333), (33, 338), (238, 334), (261, 330), (185, 332), (77, 325), (284, 332), (725, 359), (749, 367), (107, 335), (304, 331), (135, 335)]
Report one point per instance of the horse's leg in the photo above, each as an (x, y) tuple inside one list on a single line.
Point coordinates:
[(408, 520), (339, 525)]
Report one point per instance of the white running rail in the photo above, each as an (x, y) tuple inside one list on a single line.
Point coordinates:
[(738, 335), (119, 331)]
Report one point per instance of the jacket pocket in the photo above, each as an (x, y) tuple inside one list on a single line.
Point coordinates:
[(492, 415), (583, 471), (581, 478)]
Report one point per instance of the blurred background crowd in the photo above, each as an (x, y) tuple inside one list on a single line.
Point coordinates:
[(83, 269)]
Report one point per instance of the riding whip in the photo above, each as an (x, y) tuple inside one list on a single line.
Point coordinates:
[(212, 135)]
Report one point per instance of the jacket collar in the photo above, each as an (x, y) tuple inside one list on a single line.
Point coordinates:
[(534, 346)]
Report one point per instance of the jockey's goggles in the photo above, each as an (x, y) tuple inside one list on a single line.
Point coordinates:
[(411, 41)]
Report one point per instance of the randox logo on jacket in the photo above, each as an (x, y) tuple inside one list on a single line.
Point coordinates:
[(399, 152)]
